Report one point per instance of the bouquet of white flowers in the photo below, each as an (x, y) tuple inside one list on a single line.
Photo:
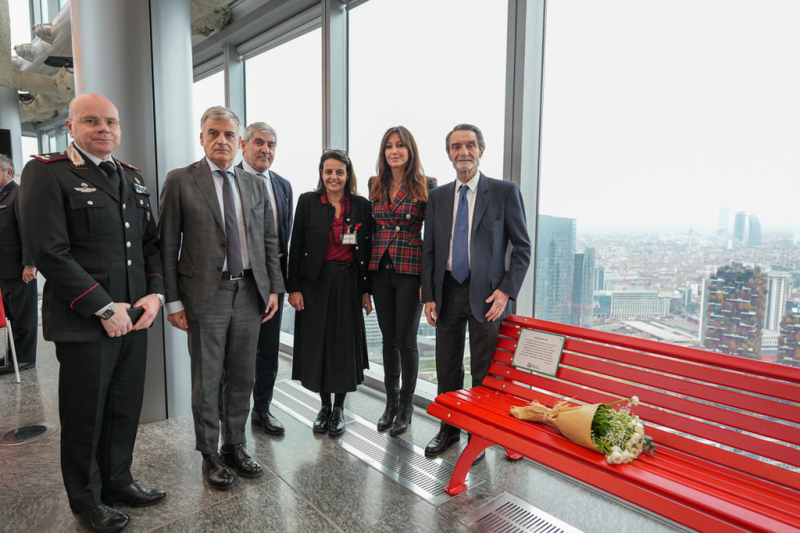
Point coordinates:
[(615, 433)]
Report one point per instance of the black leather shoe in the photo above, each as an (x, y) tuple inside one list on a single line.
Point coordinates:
[(135, 495), (387, 418), (271, 425), (103, 519), (323, 417), (480, 456), (241, 461), (216, 473), (441, 442), (403, 420), (9, 368), (336, 424)]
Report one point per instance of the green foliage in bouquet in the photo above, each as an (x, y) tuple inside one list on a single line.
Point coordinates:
[(619, 434)]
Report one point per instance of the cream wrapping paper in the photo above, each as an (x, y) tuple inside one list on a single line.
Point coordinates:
[(574, 422)]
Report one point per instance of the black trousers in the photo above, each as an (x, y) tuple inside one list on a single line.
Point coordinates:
[(269, 344), (20, 300), (399, 310), (451, 329), (100, 390)]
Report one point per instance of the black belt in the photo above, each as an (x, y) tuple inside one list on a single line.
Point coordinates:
[(386, 261), (227, 276)]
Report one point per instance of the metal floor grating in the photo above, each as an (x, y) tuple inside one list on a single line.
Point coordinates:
[(509, 514), (394, 457)]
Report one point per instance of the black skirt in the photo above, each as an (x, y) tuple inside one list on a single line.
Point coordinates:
[(330, 342)]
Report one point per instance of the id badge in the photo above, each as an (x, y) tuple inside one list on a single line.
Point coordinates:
[(348, 238)]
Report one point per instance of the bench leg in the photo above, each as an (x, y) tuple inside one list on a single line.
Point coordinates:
[(514, 456), (458, 479)]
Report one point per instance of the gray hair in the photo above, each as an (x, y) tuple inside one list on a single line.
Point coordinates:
[(220, 112), (6, 163), (466, 127), (259, 127)]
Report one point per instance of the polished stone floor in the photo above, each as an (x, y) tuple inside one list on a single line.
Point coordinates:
[(311, 483)]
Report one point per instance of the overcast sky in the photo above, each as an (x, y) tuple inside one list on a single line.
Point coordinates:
[(655, 112)]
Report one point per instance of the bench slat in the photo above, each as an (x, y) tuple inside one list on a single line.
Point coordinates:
[(723, 457), (677, 464), (736, 510)]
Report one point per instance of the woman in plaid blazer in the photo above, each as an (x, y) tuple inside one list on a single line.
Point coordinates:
[(399, 196)]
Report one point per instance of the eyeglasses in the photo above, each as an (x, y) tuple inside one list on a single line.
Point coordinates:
[(94, 122), (331, 150)]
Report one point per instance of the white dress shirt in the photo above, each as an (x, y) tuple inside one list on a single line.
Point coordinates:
[(472, 191), (270, 191)]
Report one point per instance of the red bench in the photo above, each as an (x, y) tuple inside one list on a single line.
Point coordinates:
[(721, 465)]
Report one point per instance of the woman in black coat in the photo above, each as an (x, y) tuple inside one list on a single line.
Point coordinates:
[(328, 287)]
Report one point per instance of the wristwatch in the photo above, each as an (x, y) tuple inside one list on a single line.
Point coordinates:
[(160, 297), (109, 312)]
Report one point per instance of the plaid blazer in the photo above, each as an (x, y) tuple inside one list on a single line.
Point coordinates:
[(398, 228)]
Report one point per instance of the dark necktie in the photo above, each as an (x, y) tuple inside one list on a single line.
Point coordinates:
[(235, 266), (110, 170), (461, 238)]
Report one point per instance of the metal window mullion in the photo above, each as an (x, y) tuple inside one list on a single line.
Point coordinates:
[(521, 160), (334, 75)]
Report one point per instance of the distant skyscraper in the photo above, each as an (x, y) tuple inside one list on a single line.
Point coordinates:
[(630, 304), (599, 277), (583, 288), (722, 224), (735, 300), (754, 235), (555, 266), (738, 226), (777, 291)]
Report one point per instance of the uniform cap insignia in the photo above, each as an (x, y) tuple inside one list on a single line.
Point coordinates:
[(140, 189), (43, 156), (84, 188), (75, 156)]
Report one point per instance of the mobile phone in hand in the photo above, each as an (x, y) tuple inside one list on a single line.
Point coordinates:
[(135, 313)]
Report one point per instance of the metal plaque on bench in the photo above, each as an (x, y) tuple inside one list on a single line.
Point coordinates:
[(538, 351)]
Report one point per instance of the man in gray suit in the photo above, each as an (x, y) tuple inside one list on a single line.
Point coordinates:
[(471, 226), (222, 277)]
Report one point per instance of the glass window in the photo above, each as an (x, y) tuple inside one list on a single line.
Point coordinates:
[(283, 89), (20, 16), (207, 92), (669, 172), (427, 73)]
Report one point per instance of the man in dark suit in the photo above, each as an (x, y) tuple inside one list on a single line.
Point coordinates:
[(16, 274), (222, 276), (87, 220), (258, 147), (471, 226)]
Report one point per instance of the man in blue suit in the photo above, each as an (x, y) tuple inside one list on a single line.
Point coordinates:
[(258, 149), (471, 227)]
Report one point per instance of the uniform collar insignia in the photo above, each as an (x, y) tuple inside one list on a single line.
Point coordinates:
[(75, 156)]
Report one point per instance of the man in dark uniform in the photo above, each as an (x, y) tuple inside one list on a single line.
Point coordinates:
[(89, 226), (16, 274)]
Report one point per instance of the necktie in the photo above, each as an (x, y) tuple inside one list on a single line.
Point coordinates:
[(110, 170), (272, 202), (461, 238), (234, 247)]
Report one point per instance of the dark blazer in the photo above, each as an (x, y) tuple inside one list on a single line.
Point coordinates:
[(284, 201), (92, 245), (14, 254), (498, 223), (313, 222), (397, 229), (192, 236)]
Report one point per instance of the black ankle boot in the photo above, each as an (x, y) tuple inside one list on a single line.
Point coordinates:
[(386, 419), (403, 419)]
